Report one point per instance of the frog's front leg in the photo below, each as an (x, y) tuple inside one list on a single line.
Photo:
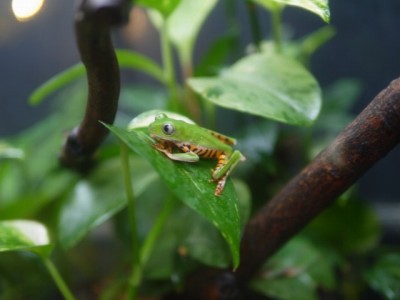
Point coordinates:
[(187, 156)]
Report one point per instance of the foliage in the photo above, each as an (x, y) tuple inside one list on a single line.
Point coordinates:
[(129, 199)]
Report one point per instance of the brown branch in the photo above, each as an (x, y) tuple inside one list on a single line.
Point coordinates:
[(93, 21), (361, 144)]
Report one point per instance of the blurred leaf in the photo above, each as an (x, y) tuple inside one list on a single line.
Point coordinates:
[(296, 271), (185, 23), (258, 140), (350, 227), (244, 197), (9, 152), (98, 197), (136, 61), (312, 42), (339, 98), (384, 276), (286, 288), (56, 82), (216, 55), (24, 235), (126, 59), (303, 49), (165, 7), (266, 84), (139, 98), (190, 183), (318, 7)]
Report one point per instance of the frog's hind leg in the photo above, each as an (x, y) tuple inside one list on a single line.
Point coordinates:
[(220, 186), (226, 165)]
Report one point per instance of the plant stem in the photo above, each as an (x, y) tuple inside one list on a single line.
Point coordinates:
[(169, 70), (156, 229), (148, 244), (276, 24), (63, 288), (134, 281), (254, 24)]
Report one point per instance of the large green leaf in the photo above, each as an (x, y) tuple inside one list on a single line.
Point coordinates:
[(98, 197), (265, 84), (24, 235), (185, 23), (319, 7), (190, 183)]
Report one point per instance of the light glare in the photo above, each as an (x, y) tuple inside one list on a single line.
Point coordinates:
[(26, 9)]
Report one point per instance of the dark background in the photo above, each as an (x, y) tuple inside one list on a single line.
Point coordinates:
[(366, 47)]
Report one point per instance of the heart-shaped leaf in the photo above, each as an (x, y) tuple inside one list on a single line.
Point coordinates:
[(190, 183), (265, 84), (24, 235)]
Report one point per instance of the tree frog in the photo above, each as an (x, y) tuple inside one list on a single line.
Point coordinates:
[(195, 142)]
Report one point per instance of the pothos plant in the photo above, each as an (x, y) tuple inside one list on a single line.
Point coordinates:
[(166, 220)]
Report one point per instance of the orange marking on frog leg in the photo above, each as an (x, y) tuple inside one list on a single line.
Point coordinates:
[(223, 138)]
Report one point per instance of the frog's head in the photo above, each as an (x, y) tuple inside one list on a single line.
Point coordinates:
[(164, 128)]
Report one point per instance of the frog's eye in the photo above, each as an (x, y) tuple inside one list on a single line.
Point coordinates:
[(168, 128)]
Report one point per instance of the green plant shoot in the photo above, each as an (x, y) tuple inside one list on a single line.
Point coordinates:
[(195, 142)]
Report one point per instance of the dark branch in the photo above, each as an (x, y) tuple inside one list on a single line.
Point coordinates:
[(93, 21), (361, 144), (367, 139)]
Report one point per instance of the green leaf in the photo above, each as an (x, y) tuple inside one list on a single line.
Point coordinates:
[(185, 23), (126, 59), (190, 183), (24, 235), (319, 7), (350, 227), (165, 7), (98, 197), (133, 60), (9, 152), (286, 288), (269, 85), (217, 54), (296, 271), (384, 276)]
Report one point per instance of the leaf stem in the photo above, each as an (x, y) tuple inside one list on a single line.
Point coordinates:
[(134, 282), (156, 230), (148, 246), (62, 286), (254, 24), (276, 24), (169, 70)]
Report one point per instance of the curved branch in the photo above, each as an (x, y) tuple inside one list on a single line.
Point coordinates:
[(361, 144), (93, 21)]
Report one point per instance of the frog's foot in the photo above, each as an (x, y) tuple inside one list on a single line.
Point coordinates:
[(220, 186)]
